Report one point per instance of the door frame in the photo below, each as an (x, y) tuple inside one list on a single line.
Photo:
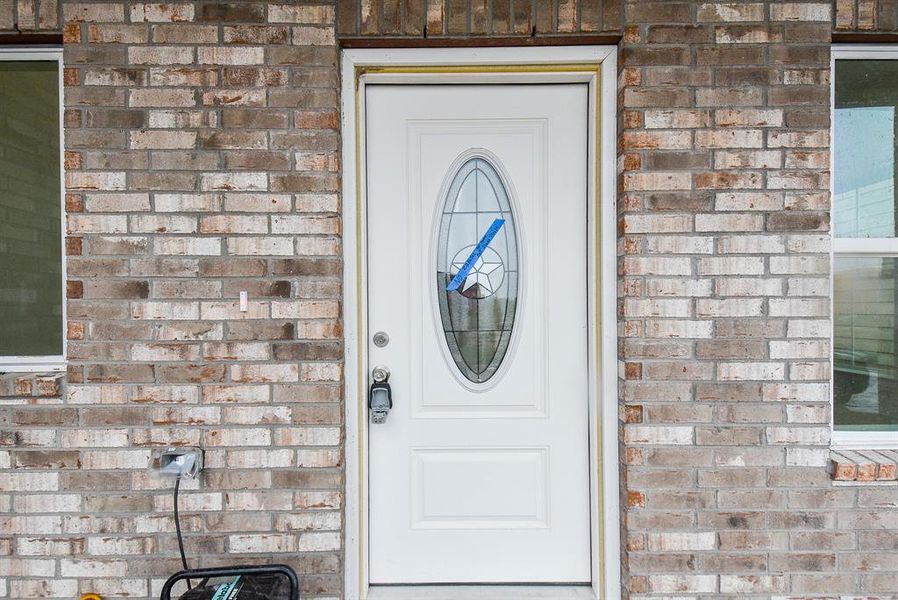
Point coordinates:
[(594, 65)]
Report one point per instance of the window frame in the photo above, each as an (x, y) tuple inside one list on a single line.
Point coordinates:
[(853, 247), (49, 363)]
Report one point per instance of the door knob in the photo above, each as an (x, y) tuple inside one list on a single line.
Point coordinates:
[(380, 374)]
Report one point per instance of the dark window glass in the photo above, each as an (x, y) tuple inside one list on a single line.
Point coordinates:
[(866, 344), (30, 224)]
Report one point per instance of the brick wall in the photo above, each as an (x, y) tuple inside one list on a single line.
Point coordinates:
[(28, 17), (724, 213), (872, 16), (476, 18), (202, 159)]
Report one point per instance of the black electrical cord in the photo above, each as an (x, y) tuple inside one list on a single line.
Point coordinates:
[(178, 530)]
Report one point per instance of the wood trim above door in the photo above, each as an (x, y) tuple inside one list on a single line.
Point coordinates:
[(30, 39), (592, 64)]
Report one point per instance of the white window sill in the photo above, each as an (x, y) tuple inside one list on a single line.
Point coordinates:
[(864, 440), (481, 592), (28, 364)]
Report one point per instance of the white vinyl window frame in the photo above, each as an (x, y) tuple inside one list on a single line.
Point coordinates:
[(855, 247), (51, 363)]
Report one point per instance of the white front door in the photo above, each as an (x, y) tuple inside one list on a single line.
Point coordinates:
[(477, 274)]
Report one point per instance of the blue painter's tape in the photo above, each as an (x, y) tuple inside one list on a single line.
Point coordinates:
[(227, 591), (475, 254)]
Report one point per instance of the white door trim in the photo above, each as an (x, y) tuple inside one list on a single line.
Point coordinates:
[(595, 65)]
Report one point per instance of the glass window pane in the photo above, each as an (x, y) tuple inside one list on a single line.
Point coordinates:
[(865, 381), (30, 234), (866, 95), (478, 314)]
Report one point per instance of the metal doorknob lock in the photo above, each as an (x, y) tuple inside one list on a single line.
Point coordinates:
[(381, 339), (380, 396), (380, 374)]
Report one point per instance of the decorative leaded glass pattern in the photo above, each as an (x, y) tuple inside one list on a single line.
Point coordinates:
[(477, 270)]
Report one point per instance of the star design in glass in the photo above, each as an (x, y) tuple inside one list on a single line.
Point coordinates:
[(486, 273)]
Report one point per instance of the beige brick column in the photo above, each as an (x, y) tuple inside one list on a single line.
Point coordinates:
[(724, 220), (202, 160)]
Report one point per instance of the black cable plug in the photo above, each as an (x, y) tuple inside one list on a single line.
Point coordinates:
[(178, 529)]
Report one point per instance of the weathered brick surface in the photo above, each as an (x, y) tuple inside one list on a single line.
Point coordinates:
[(865, 16), (476, 18), (29, 17), (202, 158), (724, 216), (864, 465)]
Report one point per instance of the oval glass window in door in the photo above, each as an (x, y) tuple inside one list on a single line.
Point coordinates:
[(477, 269)]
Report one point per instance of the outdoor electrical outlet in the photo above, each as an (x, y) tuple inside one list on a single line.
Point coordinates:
[(185, 462), (244, 301)]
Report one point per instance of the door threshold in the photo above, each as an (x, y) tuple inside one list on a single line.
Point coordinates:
[(481, 592)]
